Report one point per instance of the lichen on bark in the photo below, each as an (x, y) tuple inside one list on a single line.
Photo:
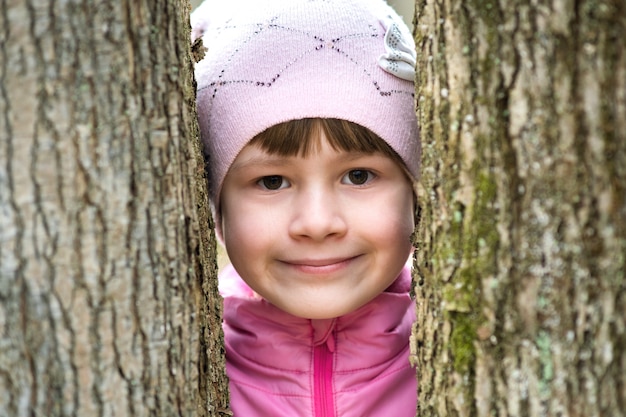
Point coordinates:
[(521, 276)]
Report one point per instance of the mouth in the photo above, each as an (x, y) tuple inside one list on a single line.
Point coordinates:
[(320, 266)]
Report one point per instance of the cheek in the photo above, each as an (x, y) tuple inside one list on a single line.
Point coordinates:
[(402, 228), (410, 215), (233, 223), (405, 227), (410, 204), (402, 214), (390, 224), (246, 231)]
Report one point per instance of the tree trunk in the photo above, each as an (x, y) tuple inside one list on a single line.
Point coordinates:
[(521, 282), (108, 299)]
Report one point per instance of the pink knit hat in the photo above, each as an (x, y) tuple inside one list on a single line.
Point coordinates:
[(272, 61)]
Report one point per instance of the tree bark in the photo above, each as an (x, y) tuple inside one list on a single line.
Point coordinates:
[(108, 299), (521, 281)]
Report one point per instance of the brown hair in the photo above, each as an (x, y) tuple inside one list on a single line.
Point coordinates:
[(301, 137)]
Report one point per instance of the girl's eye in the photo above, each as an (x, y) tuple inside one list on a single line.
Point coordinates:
[(358, 177), (273, 182)]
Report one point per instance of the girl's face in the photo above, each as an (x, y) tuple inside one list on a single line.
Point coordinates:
[(317, 236)]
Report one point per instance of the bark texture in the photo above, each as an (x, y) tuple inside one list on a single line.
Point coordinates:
[(108, 299), (521, 282)]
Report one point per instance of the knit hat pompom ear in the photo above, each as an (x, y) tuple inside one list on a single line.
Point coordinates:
[(272, 61), (400, 57)]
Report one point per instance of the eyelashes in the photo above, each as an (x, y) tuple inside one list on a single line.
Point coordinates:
[(273, 182), (352, 177), (358, 177)]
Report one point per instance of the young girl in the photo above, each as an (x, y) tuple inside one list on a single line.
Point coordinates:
[(306, 112)]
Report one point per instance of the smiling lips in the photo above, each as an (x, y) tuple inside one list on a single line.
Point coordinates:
[(319, 266)]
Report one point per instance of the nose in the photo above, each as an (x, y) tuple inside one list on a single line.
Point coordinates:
[(317, 215)]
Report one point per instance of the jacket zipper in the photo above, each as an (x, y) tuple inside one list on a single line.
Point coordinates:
[(323, 381)]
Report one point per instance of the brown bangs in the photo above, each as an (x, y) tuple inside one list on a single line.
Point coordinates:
[(301, 137)]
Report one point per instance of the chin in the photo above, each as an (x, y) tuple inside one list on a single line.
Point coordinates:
[(317, 314), (322, 316)]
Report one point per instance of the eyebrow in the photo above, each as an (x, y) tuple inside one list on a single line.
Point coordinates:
[(268, 161), (275, 161)]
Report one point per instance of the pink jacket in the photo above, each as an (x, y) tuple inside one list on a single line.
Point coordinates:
[(354, 365)]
